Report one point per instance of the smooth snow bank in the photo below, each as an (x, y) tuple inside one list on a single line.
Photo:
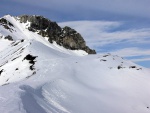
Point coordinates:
[(4, 44), (71, 84)]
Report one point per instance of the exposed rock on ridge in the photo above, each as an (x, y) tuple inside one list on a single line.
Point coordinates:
[(66, 37), (6, 24)]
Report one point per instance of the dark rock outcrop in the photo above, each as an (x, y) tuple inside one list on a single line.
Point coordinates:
[(9, 38), (66, 37), (4, 21), (31, 60), (6, 24), (1, 71)]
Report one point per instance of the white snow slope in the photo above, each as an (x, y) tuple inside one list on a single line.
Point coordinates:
[(39, 77)]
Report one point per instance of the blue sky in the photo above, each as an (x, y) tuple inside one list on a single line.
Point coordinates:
[(110, 26)]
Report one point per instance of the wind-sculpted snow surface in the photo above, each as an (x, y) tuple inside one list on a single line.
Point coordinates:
[(39, 77)]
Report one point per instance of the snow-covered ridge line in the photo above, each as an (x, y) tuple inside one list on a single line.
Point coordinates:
[(25, 24), (20, 31)]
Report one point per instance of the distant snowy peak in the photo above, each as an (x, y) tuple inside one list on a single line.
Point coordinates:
[(28, 27)]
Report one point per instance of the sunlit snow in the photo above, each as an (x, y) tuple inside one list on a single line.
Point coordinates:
[(65, 81)]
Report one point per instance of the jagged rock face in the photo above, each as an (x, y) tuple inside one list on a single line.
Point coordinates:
[(44, 26), (6, 24), (72, 39), (66, 37)]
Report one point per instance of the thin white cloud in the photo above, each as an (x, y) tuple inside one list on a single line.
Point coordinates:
[(97, 33), (140, 59), (131, 52)]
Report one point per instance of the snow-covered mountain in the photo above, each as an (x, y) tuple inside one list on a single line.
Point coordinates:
[(40, 73)]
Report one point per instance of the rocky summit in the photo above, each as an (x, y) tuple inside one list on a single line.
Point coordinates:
[(66, 37)]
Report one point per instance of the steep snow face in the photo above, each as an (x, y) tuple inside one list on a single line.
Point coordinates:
[(19, 31), (39, 77), (18, 60), (4, 44)]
